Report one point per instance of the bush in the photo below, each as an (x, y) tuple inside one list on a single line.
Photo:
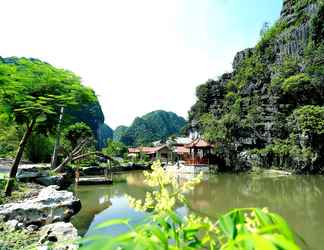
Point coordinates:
[(296, 83), (310, 119), (271, 33)]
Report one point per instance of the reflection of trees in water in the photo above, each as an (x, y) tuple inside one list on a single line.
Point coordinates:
[(297, 198), (95, 199), (288, 192)]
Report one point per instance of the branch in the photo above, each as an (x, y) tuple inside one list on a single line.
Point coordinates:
[(91, 153)]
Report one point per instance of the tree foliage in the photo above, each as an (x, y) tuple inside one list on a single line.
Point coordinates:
[(31, 94), (77, 132), (115, 148)]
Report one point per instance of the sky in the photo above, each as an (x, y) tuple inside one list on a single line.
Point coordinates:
[(138, 55)]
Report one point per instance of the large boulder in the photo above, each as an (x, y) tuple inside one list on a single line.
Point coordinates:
[(29, 172), (41, 174), (61, 180), (49, 206)]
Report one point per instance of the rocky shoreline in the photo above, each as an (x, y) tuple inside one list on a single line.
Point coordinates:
[(44, 212)]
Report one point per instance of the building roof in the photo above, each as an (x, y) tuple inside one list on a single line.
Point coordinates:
[(199, 143), (146, 150), (179, 141)]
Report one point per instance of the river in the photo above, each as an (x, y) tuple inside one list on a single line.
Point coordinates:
[(299, 199)]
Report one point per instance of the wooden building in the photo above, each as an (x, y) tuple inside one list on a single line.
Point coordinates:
[(162, 152), (199, 152)]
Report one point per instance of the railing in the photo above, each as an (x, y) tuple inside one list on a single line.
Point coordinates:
[(197, 161)]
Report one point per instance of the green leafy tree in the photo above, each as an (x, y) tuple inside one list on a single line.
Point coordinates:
[(77, 132), (31, 94), (115, 148)]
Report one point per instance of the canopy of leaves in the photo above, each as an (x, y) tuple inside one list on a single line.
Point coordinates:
[(77, 132), (115, 148), (32, 89)]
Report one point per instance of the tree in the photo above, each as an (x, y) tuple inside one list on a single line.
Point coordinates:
[(80, 138), (31, 94), (77, 132), (115, 148), (264, 29)]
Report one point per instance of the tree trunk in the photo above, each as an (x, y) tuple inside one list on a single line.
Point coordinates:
[(14, 168), (77, 150), (72, 157), (57, 141)]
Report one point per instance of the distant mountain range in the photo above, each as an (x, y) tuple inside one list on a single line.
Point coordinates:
[(156, 125)]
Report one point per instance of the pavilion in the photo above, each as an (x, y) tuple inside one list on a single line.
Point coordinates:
[(199, 152)]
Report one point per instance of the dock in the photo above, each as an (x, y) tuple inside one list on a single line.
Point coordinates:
[(94, 181)]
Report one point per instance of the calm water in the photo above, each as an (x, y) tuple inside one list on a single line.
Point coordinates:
[(299, 199)]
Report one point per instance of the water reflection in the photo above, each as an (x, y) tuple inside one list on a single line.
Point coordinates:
[(297, 198)]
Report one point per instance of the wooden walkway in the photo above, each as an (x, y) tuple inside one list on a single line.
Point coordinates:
[(94, 181)]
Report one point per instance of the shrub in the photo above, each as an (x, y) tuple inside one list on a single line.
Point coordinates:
[(271, 33), (310, 119), (296, 83)]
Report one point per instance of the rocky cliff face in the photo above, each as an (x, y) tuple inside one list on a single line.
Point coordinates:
[(92, 115), (260, 113)]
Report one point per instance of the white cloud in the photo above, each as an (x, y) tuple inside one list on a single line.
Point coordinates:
[(138, 55)]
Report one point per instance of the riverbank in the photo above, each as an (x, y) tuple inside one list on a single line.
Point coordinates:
[(38, 216), (43, 219), (38, 213)]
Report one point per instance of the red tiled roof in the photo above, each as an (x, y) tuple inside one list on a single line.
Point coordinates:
[(199, 143)]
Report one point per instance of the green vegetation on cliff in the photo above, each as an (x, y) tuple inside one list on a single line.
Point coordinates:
[(156, 125), (268, 111)]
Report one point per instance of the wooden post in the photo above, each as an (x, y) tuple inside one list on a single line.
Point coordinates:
[(77, 173), (111, 176), (57, 141)]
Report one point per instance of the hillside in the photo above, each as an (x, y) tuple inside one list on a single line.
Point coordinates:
[(269, 111), (156, 125)]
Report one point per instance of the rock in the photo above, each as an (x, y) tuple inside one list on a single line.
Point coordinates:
[(43, 248), (61, 180), (62, 234), (240, 56), (29, 172), (93, 170), (49, 206), (32, 228), (12, 225)]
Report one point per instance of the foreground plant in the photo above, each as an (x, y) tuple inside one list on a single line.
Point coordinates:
[(248, 228)]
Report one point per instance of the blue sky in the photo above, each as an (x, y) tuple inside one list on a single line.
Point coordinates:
[(138, 55)]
